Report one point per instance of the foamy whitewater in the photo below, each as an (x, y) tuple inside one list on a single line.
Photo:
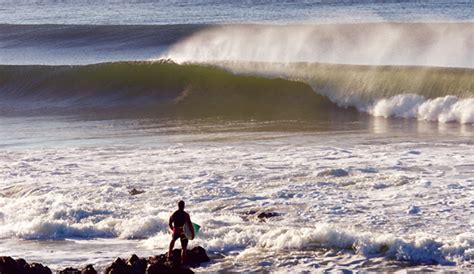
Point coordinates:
[(350, 124), (362, 200)]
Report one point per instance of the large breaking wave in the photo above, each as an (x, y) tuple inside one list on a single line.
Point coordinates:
[(156, 88), (254, 90), (408, 70)]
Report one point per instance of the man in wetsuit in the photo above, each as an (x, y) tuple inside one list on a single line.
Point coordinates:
[(178, 220)]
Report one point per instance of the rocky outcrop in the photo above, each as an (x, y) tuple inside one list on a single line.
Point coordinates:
[(159, 264), (196, 257), (8, 265), (135, 265)]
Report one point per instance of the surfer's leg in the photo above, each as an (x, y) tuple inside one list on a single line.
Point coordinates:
[(184, 247), (170, 251)]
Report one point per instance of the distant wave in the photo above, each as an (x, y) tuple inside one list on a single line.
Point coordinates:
[(112, 36), (87, 44), (253, 90)]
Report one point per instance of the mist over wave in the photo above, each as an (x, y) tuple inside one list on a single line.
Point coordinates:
[(421, 44)]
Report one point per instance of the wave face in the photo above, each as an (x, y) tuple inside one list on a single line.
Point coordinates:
[(159, 88), (425, 93)]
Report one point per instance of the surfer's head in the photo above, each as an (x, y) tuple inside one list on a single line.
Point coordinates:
[(181, 205)]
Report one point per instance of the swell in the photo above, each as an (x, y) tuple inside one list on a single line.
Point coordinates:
[(87, 44), (157, 88), (112, 36)]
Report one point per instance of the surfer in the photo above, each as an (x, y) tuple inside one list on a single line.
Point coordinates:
[(178, 220)]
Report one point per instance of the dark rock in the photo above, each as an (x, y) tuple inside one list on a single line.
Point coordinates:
[(89, 269), (267, 214), (160, 259), (176, 258), (197, 256), (119, 266), (138, 265), (157, 268), (70, 270), (36, 268), (135, 265), (251, 212), (260, 215), (22, 264), (338, 172), (161, 263), (9, 265), (134, 191)]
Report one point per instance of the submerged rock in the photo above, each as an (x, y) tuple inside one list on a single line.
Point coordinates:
[(338, 172), (412, 210), (267, 214), (135, 191), (260, 215)]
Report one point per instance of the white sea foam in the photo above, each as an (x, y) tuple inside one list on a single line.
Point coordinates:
[(333, 193), (443, 109)]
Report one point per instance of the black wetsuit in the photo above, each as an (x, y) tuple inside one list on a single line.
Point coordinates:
[(179, 219)]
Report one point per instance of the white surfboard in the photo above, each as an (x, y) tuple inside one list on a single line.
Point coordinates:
[(188, 233)]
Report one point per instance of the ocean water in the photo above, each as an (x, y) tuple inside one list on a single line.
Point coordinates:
[(351, 121)]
